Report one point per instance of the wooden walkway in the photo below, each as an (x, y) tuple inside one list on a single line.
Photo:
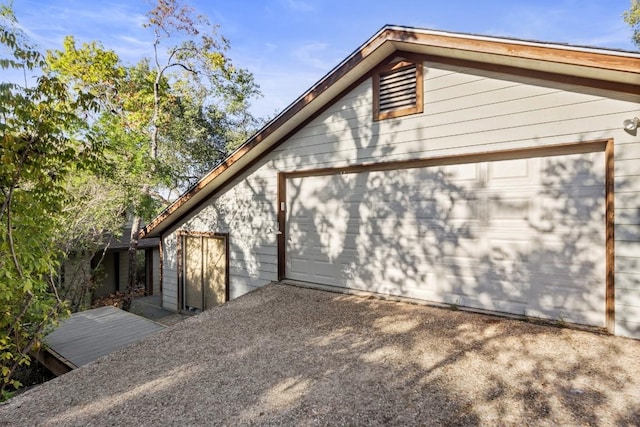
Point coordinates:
[(88, 335)]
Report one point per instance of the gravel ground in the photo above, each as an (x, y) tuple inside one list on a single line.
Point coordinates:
[(288, 355)]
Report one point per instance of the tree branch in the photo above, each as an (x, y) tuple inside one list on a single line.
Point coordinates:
[(12, 248), (179, 64)]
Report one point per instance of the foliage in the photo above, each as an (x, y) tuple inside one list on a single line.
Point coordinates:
[(43, 143), (203, 113), (187, 106), (91, 140), (177, 114), (69, 174), (632, 17)]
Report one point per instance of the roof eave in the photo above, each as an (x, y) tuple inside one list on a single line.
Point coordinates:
[(594, 63), (348, 71)]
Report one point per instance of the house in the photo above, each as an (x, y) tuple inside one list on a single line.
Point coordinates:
[(113, 260), (88, 275), (482, 172)]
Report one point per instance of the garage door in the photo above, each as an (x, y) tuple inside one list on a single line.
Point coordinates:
[(523, 235)]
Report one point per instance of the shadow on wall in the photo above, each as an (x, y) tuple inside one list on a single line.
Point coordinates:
[(524, 235), (246, 211)]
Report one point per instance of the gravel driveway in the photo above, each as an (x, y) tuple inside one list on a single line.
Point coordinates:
[(288, 355)]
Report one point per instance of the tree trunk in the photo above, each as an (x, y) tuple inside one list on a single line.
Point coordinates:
[(153, 153), (132, 251)]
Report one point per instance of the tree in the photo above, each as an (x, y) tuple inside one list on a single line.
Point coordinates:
[(44, 142), (126, 105), (632, 17), (209, 96), (70, 169), (180, 112)]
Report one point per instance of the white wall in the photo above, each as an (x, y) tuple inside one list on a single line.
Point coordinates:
[(466, 111)]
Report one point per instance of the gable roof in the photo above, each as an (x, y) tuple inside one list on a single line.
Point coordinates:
[(612, 69)]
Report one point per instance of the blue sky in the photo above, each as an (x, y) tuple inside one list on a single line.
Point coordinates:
[(290, 44)]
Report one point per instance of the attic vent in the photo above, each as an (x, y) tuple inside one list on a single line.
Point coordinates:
[(397, 90)]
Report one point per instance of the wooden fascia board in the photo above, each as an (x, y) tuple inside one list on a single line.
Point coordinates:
[(539, 66), (187, 211), (593, 58)]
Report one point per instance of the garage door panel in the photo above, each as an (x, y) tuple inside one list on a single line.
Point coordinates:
[(456, 250), (503, 252), (469, 173), (572, 207), (524, 236), (568, 308), (298, 266), (513, 207), (586, 168), (511, 172), (486, 301), (324, 268)]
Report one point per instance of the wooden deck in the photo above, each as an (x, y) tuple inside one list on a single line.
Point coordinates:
[(88, 335)]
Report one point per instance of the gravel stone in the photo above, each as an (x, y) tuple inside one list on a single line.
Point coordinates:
[(285, 355)]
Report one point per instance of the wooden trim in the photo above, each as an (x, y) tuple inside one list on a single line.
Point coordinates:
[(541, 151), (536, 74), (298, 105), (180, 234), (610, 238), (212, 234), (521, 72), (53, 361), (538, 51), (226, 265), (282, 215), (282, 140)]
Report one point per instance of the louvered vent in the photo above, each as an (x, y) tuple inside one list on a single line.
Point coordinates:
[(398, 89)]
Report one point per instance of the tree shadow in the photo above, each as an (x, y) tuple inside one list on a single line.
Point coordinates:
[(442, 234), (462, 234), (244, 210)]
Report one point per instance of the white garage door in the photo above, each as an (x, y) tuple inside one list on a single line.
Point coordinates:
[(524, 236)]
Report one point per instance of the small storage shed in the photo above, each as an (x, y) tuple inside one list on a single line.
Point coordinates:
[(483, 172)]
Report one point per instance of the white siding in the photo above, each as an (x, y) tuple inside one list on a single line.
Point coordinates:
[(466, 111), (170, 273), (627, 232)]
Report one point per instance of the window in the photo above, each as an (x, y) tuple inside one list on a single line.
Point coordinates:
[(397, 89)]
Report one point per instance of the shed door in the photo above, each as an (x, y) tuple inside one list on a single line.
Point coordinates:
[(204, 272), (523, 236)]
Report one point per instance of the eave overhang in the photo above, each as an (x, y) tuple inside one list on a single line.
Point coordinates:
[(620, 68)]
